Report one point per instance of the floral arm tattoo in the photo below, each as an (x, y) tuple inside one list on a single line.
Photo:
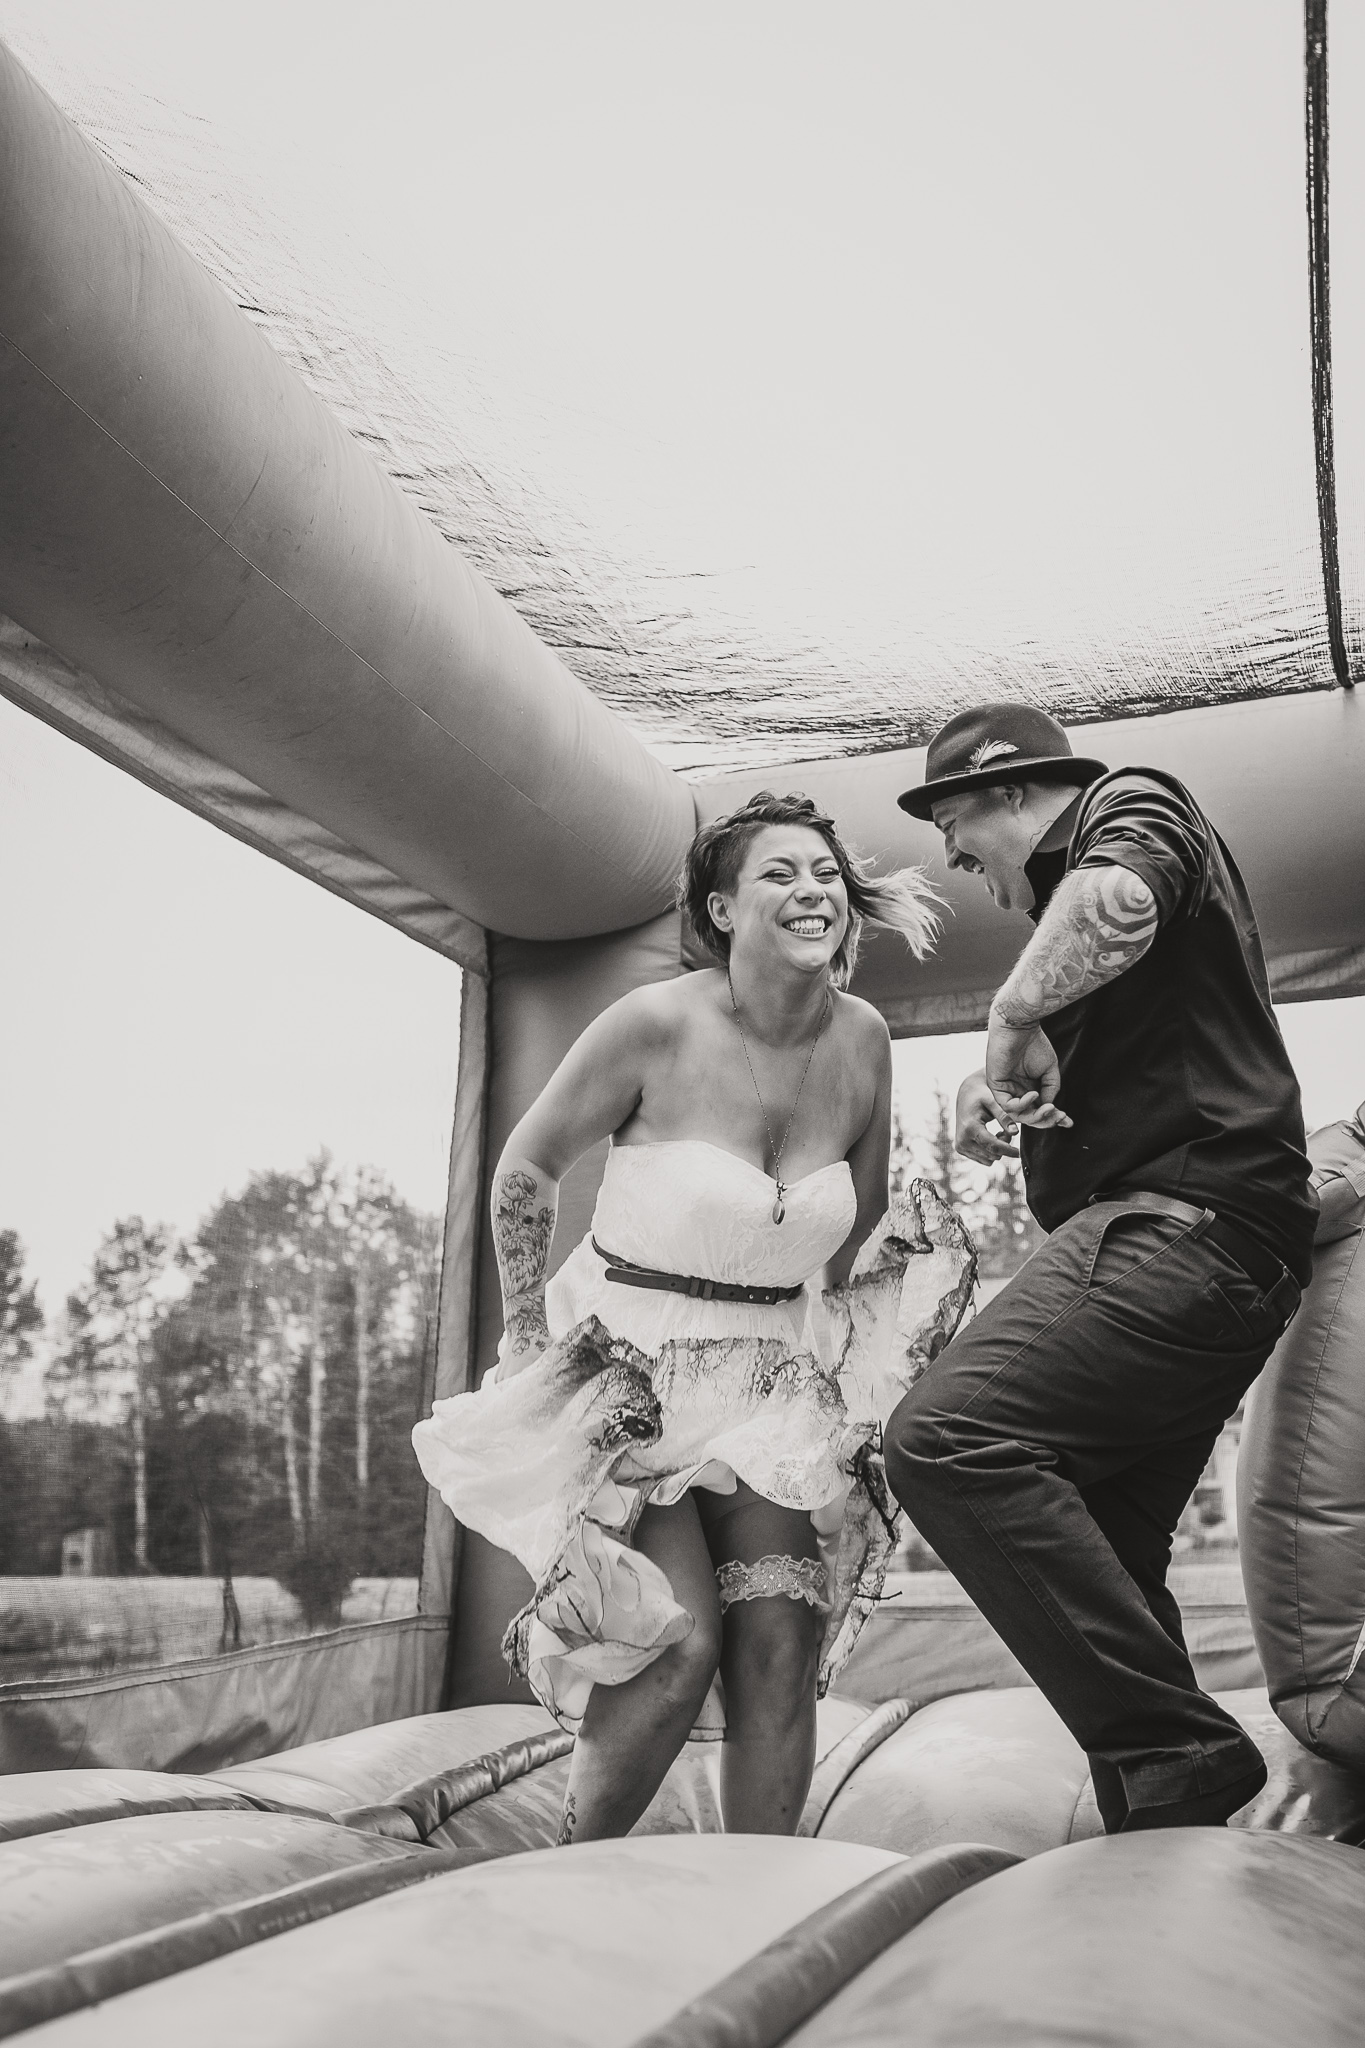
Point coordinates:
[(525, 1202), (1098, 924)]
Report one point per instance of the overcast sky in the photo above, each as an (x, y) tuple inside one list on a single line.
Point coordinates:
[(179, 1010)]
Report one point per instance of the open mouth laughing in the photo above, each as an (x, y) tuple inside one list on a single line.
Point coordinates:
[(812, 927)]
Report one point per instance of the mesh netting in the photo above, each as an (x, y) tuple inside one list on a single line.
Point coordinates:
[(1133, 595)]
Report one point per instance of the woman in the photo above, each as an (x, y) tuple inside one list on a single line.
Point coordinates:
[(654, 1453)]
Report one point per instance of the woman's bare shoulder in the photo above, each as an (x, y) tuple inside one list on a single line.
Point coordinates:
[(658, 1010), (860, 1022)]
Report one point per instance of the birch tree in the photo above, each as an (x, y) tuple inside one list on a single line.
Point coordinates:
[(113, 1319)]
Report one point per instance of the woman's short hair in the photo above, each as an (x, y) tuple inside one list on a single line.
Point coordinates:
[(901, 900)]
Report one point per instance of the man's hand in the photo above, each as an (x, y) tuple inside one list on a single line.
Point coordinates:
[(1023, 1076), (977, 1110)]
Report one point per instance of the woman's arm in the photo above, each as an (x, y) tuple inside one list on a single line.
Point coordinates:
[(870, 1157), (594, 1090), (525, 1202)]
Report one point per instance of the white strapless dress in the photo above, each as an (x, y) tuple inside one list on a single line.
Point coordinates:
[(644, 1394)]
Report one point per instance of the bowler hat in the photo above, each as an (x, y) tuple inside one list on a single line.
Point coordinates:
[(992, 744)]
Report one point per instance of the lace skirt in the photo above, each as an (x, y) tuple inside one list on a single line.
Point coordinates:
[(556, 1464)]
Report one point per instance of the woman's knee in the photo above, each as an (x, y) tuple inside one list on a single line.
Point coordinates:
[(690, 1665), (773, 1652)]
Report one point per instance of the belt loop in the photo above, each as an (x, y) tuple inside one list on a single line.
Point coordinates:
[(1197, 1229), (694, 1287), (707, 1289)]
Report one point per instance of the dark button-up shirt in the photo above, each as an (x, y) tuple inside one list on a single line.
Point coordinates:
[(1175, 1072)]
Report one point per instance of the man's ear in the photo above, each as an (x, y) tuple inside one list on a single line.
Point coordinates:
[(1013, 794)]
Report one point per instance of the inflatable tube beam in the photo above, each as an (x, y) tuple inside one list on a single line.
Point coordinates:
[(119, 1966), (184, 519), (759, 2004), (1280, 777), (68, 699), (1301, 1509), (427, 1805)]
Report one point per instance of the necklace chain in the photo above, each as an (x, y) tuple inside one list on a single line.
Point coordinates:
[(779, 1206)]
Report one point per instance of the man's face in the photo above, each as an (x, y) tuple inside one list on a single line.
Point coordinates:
[(990, 833)]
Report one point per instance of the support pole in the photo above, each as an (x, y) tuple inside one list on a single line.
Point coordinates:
[(1320, 320), (452, 1369)]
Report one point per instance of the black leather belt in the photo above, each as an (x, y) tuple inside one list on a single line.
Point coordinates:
[(625, 1275), (1256, 1262)]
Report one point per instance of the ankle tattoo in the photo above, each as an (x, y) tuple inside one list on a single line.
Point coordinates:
[(564, 1839)]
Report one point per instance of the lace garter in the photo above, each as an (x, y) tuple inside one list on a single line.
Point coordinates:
[(792, 1578)]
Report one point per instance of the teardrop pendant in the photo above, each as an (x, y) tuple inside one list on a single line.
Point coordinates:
[(779, 1206)]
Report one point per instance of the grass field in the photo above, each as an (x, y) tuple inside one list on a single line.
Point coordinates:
[(66, 1627)]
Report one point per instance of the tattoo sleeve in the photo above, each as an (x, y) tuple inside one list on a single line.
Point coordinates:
[(1098, 924), (525, 1202)]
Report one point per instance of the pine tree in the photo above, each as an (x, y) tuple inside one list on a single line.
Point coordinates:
[(21, 1318), (1006, 1231)]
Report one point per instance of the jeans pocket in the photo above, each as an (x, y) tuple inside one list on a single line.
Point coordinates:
[(1128, 1240), (1261, 1317), (1150, 1275)]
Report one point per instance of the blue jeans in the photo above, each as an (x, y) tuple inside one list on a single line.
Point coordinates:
[(1047, 1456)]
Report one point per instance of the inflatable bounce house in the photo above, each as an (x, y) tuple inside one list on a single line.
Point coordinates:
[(212, 582)]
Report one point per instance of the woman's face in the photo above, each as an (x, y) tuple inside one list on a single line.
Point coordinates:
[(789, 905)]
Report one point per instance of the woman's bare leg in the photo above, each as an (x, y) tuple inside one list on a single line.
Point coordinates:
[(769, 1661), (631, 1733)]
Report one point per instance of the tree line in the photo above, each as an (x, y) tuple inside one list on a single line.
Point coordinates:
[(238, 1402)]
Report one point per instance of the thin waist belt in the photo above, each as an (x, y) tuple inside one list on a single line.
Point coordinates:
[(1255, 1260), (624, 1274)]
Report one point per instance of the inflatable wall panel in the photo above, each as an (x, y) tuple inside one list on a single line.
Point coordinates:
[(188, 523), (542, 997), (215, 1711), (1301, 1477)]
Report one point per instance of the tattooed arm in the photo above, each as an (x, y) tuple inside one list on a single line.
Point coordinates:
[(1099, 923), (525, 1201), (593, 1092)]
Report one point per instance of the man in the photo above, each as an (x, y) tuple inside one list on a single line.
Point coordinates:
[(1048, 1453)]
